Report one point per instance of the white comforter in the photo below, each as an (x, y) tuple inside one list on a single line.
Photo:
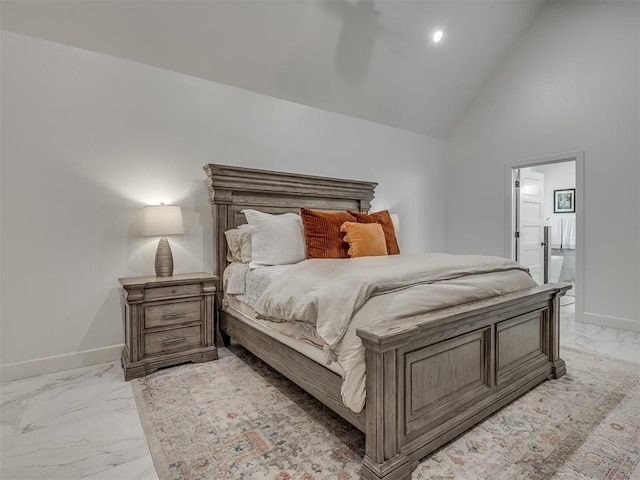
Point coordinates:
[(340, 295)]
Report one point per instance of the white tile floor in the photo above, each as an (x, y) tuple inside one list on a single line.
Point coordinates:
[(83, 423), (78, 424), (607, 342)]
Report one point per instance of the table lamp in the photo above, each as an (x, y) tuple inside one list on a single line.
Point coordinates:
[(163, 220)]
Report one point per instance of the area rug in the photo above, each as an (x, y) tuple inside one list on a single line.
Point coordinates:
[(236, 418)]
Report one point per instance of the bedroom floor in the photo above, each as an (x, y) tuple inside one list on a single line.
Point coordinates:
[(83, 423)]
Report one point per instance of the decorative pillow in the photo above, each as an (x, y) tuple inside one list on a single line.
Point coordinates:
[(244, 234), (365, 239), (275, 239), (233, 245), (322, 233), (383, 218)]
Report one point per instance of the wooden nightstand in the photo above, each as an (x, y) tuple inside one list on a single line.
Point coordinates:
[(167, 320)]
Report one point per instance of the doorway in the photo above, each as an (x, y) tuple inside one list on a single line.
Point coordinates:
[(543, 224)]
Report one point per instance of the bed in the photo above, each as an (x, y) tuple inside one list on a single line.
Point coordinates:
[(490, 351)]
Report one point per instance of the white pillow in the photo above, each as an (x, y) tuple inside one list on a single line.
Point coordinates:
[(244, 233), (275, 239), (239, 244), (233, 245)]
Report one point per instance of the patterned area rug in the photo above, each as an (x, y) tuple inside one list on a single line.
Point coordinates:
[(236, 418)]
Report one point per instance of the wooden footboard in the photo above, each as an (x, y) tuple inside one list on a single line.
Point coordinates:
[(431, 377)]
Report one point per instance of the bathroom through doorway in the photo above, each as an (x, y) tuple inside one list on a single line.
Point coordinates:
[(544, 227)]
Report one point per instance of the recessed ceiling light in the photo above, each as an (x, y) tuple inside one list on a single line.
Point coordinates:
[(437, 36)]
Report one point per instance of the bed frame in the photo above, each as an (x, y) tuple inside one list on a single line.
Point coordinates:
[(429, 377)]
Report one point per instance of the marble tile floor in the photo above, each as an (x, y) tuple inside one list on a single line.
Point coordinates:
[(607, 342), (83, 423)]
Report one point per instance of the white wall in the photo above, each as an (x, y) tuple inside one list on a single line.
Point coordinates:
[(571, 83), (88, 139)]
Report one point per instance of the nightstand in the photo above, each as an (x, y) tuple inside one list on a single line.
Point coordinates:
[(167, 320)]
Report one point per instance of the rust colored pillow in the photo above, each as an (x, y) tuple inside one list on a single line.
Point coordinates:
[(322, 233), (383, 218), (365, 239)]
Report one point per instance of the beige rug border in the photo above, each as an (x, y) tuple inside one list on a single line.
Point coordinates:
[(159, 458)]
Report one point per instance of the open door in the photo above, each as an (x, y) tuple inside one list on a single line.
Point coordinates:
[(530, 222)]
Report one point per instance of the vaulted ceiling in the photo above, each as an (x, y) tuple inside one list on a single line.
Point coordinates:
[(368, 59)]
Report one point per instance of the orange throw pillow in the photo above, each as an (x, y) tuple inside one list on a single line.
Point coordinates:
[(365, 239), (383, 218), (322, 233)]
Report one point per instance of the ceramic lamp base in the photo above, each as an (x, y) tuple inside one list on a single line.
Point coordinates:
[(164, 259)]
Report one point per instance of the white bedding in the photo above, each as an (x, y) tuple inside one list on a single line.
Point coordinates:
[(328, 292), (243, 289), (248, 285)]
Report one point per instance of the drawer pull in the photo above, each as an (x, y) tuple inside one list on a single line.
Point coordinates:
[(171, 341), (174, 315)]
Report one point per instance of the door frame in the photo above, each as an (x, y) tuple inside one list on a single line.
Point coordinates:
[(510, 212)]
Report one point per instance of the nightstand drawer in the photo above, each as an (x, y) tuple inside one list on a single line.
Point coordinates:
[(158, 293), (168, 340), (172, 313)]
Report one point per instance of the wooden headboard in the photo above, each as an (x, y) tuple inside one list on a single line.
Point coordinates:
[(232, 189)]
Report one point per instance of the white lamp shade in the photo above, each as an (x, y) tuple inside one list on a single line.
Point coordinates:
[(395, 219), (162, 220)]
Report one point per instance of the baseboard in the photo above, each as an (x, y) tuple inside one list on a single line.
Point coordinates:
[(607, 321), (58, 363)]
